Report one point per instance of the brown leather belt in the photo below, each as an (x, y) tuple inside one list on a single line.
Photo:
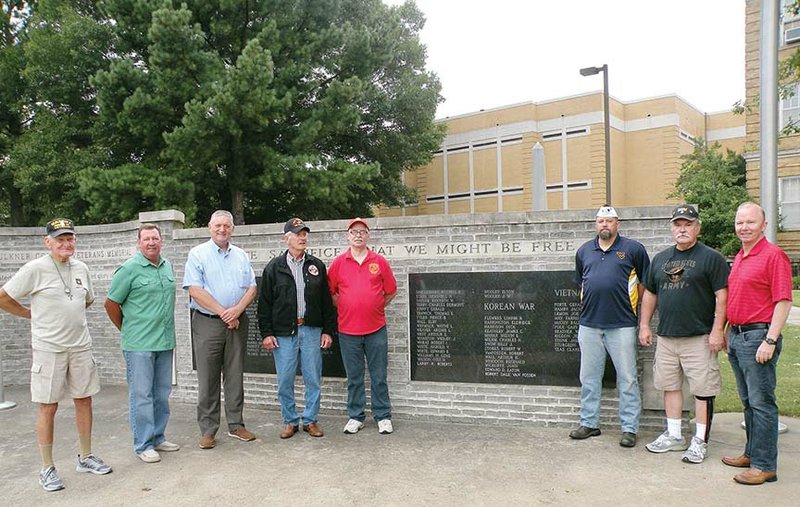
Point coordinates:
[(300, 322)]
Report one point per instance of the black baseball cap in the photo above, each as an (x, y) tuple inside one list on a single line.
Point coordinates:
[(59, 226), (295, 225), (685, 211)]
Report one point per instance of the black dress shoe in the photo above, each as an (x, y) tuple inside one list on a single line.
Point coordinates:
[(584, 432), (628, 439)]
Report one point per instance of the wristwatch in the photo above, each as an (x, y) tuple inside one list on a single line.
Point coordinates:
[(770, 341)]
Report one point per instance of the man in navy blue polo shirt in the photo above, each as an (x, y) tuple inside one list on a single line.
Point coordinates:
[(609, 269)]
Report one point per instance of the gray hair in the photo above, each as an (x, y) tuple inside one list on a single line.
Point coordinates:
[(221, 213)]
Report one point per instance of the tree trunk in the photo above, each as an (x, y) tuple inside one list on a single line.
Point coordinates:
[(237, 206), (16, 207)]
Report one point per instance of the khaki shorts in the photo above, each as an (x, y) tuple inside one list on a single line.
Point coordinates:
[(690, 357), (55, 374)]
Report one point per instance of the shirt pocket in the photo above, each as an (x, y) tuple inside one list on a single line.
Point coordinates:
[(244, 278), (141, 283), (144, 285), (169, 281)]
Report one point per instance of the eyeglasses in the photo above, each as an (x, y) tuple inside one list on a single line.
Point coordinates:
[(358, 232)]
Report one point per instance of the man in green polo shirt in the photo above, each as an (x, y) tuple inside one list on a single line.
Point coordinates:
[(141, 303)]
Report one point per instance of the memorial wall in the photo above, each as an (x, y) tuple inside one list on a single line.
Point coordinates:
[(483, 327)]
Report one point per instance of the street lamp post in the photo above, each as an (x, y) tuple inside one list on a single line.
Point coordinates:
[(591, 71)]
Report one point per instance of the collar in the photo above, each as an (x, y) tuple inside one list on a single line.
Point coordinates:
[(692, 248), (143, 261), (290, 258), (757, 248), (220, 250), (612, 247), (348, 254)]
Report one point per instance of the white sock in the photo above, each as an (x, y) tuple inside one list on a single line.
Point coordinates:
[(700, 431), (674, 427)]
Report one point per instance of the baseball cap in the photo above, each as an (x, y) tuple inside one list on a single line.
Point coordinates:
[(59, 226), (295, 225), (686, 212), (607, 212), (355, 221)]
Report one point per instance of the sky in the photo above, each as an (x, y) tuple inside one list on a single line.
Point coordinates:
[(491, 53)]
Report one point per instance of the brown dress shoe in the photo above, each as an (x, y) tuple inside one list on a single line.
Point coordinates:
[(313, 429), (208, 442), (242, 434), (738, 461), (289, 431), (754, 477)]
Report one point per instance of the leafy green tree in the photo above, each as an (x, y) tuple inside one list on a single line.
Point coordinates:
[(272, 108), (58, 47), (13, 23), (269, 108), (714, 181)]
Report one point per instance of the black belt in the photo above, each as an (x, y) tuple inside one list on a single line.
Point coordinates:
[(206, 315), (738, 329)]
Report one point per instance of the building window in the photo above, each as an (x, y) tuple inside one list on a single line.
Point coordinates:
[(790, 108), (571, 185), (789, 199), (558, 134)]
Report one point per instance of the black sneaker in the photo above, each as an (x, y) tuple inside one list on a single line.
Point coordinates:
[(628, 439), (584, 432)]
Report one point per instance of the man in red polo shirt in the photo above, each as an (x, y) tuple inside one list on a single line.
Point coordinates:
[(759, 300), (362, 284)]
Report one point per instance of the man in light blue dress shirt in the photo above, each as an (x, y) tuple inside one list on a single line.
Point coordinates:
[(221, 285)]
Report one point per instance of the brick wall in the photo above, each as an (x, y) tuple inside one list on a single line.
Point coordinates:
[(412, 245)]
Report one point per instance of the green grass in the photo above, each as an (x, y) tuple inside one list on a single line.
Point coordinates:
[(788, 389), (796, 298)]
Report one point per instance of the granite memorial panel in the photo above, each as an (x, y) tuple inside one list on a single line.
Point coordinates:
[(501, 327)]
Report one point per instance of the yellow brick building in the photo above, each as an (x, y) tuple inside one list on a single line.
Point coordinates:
[(788, 110), (485, 163)]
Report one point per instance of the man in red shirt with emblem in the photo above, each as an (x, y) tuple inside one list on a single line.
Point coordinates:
[(362, 284), (759, 301)]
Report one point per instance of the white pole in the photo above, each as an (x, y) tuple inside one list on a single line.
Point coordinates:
[(4, 405)]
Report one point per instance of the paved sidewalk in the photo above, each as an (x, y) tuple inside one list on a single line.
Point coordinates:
[(420, 464)]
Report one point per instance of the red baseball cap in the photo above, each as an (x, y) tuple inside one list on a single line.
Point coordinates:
[(357, 221)]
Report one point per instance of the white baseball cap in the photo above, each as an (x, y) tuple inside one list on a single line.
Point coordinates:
[(607, 212)]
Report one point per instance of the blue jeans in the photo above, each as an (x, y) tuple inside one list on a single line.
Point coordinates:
[(149, 385), (307, 343), (375, 348), (621, 346), (756, 385)]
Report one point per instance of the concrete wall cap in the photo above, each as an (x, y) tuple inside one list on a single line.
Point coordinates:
[(169, 215)]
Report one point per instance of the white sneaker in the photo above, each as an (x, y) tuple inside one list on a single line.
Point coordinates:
[(666, 443), (352, 426), (167, 446), (385, 426), (49, 479), (92, 464), (696, 452), (149, 456)]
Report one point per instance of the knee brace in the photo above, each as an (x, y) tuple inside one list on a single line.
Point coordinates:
[(710, 411)]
